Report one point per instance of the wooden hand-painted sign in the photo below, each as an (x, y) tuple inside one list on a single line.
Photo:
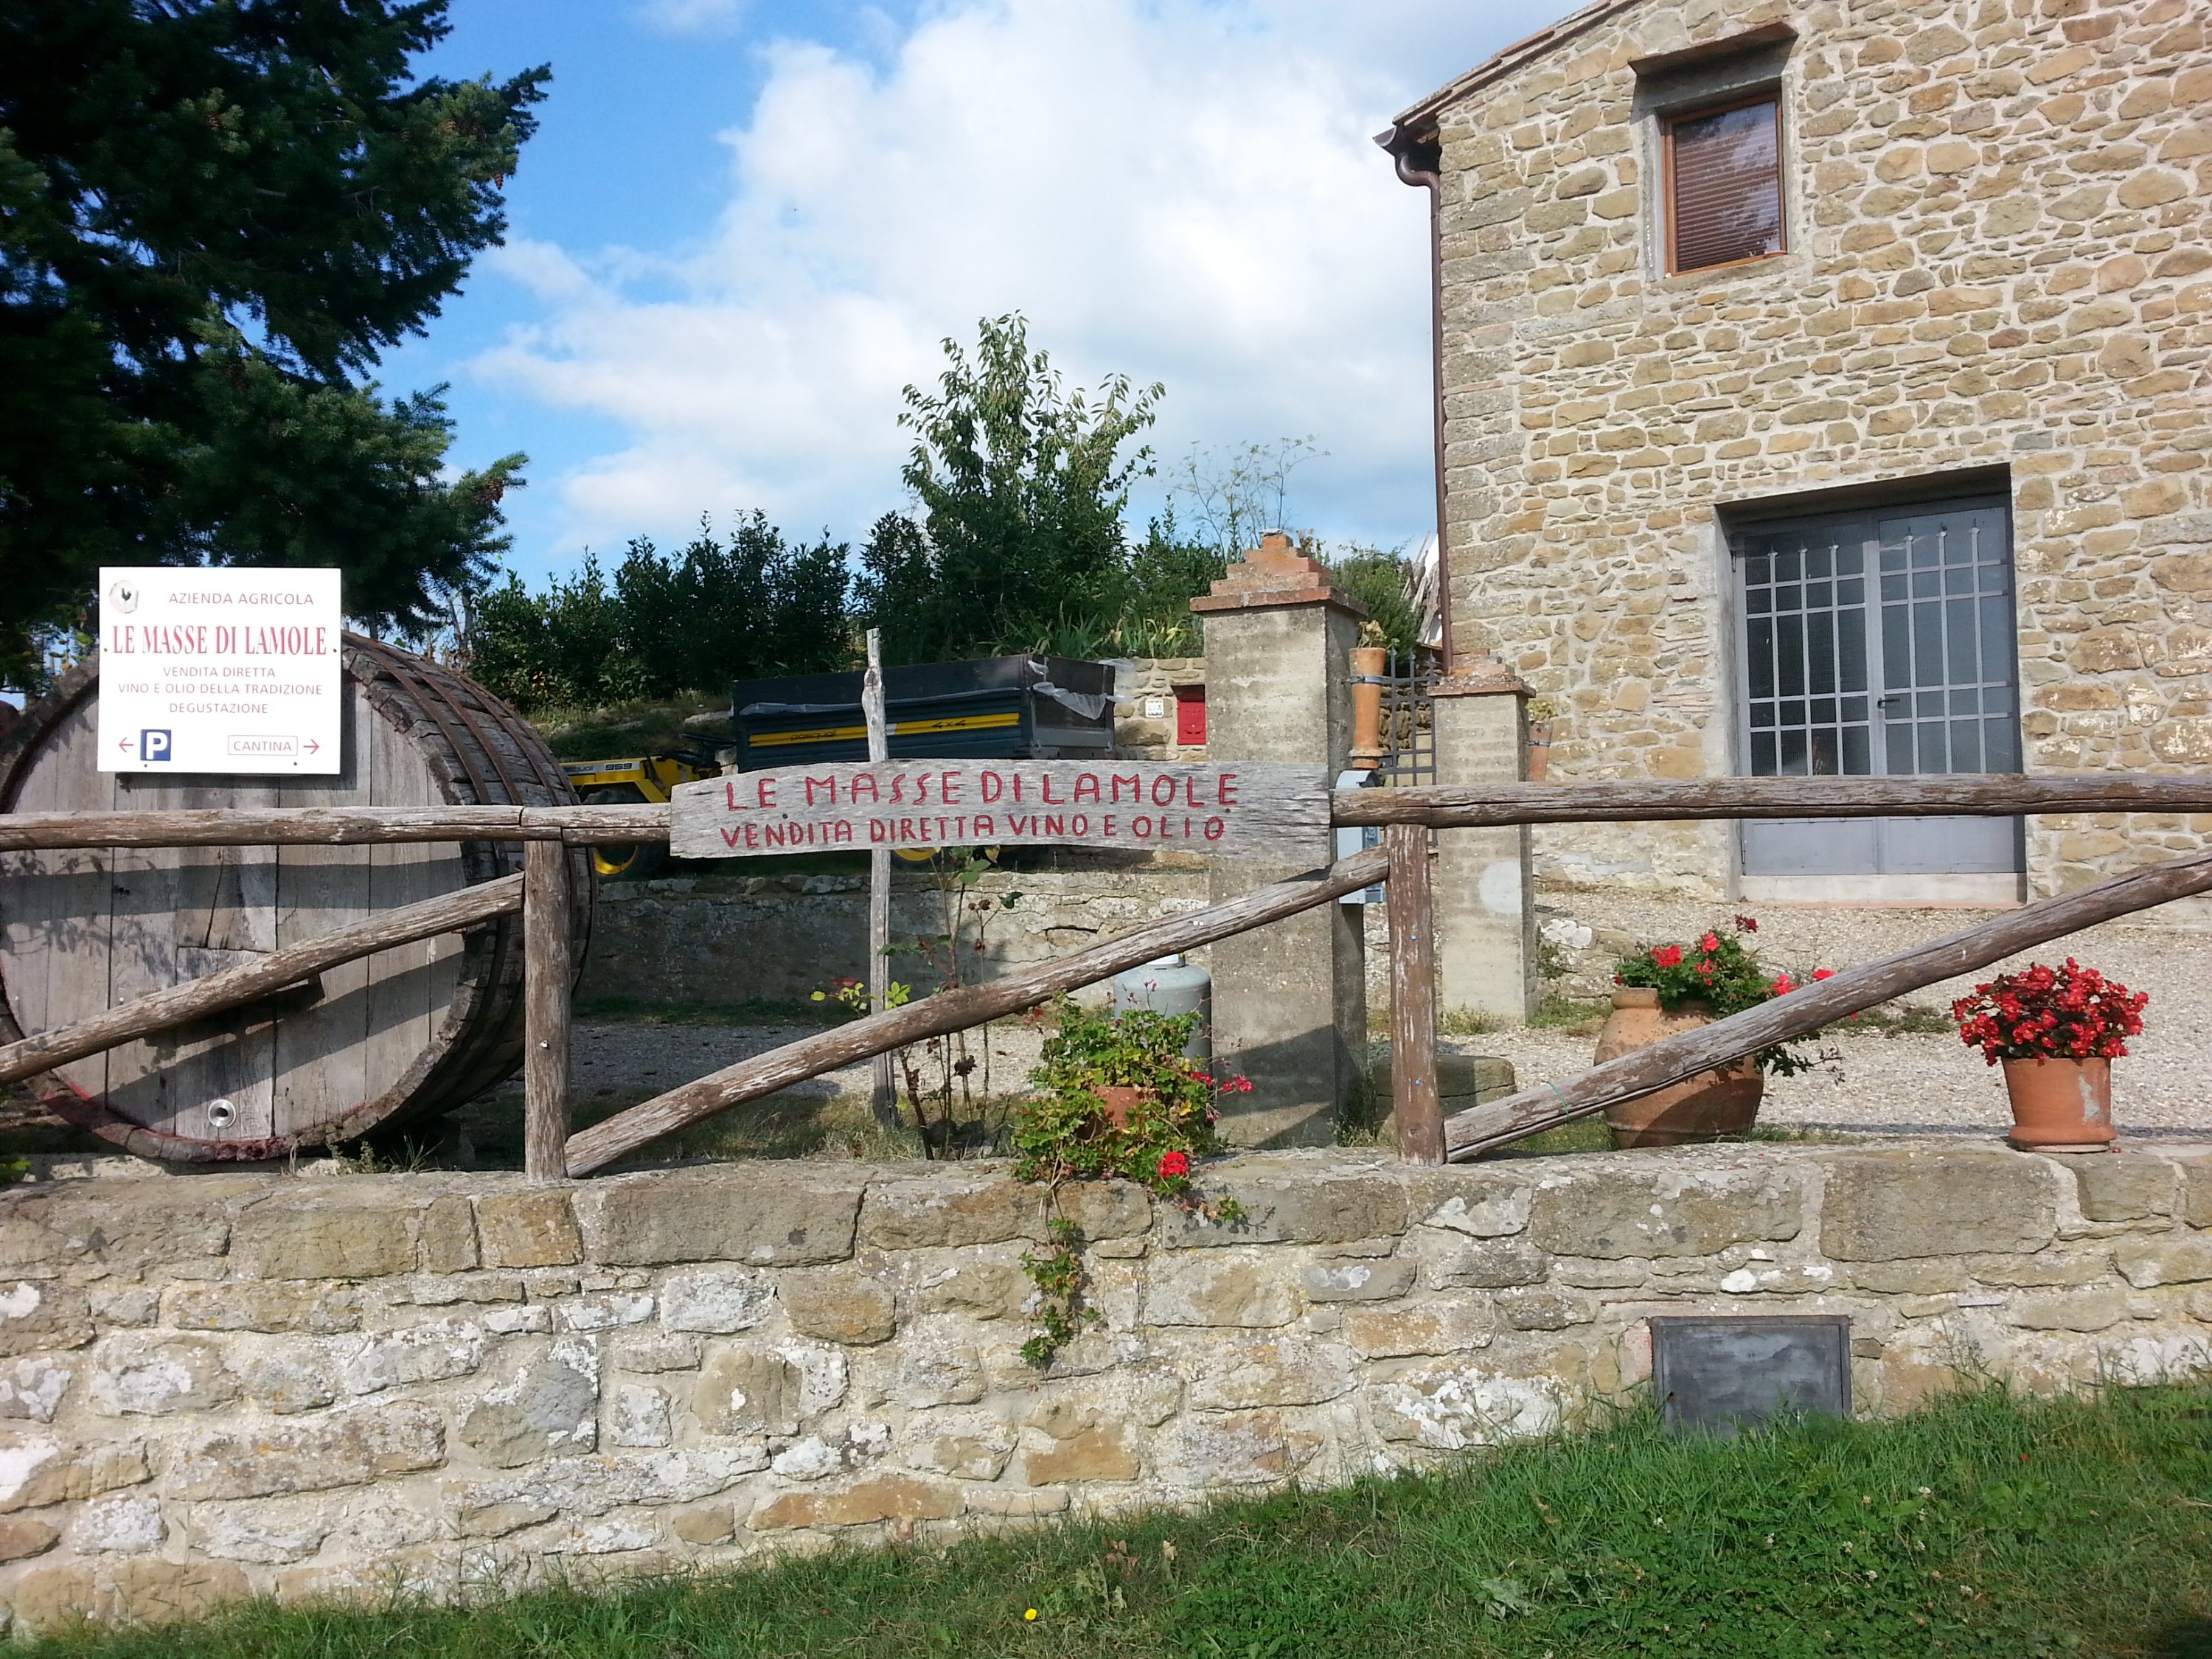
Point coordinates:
[(1241, 811)]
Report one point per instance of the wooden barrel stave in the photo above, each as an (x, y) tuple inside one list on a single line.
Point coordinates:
[(416, 1030)]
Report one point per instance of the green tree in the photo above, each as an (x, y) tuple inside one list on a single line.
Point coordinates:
[(1378, 581), (713, 611), (214, 216), (1021, 485)]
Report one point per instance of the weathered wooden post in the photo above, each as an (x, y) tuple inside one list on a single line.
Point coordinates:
[(547, 974), (883, 1089), (1415, 1109)]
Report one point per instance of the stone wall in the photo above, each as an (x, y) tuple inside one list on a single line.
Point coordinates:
[(225, 1385), (1140, 684), (723, 941), (1997, 213)]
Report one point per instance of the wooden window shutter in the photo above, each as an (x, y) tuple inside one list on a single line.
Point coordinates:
[(1724, 187)]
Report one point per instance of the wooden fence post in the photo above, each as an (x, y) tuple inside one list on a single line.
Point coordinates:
[(546, 973), (1415, 1107), (882, 1080)]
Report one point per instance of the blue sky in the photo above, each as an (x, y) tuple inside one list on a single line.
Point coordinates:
[(745, 224)]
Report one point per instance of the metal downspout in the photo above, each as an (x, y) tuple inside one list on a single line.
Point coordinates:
[(1419, 162)]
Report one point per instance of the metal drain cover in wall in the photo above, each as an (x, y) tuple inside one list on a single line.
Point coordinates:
[(1718, 1376)]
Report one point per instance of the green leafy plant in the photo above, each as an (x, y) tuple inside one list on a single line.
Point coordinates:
[(1064, 1130), (1716, 972), (1057, 1272)]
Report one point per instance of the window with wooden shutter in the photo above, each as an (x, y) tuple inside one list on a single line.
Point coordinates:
[(1724, 187)]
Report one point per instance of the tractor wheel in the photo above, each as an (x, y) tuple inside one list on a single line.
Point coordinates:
[(634, 860)]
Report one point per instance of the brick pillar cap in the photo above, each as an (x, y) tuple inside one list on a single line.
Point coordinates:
[(1273, 575), (1484, 676)]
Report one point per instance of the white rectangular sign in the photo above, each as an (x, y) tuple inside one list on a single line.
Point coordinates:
[(220, 670), (1248, 810)]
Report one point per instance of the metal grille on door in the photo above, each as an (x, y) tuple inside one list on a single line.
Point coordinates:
[(1879, 644)]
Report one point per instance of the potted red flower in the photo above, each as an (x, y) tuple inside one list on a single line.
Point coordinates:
[(2056, 1031), (1671, 988)]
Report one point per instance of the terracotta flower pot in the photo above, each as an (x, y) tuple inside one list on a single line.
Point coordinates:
[(1721, 1101), (1539, 750), (2060, 1105), (1120, 1099), (1368, 662)]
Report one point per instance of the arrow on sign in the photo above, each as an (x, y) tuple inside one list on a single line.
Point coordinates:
[(123, 743), (311, 746)]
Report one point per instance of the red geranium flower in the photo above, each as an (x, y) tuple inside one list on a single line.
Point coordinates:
[(1710, 943), (1824, 973), (1668, 955), (1173, 1166)]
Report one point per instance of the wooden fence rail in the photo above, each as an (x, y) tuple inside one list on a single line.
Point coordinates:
[(1423, 1134), (1807, 1009), (232, 987), (954, 1010), (1628, 801)]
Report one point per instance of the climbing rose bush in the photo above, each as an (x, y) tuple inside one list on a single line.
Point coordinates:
[(2050, 1013)]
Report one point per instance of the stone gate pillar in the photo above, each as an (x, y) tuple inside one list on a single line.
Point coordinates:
[(1485, 903), (1289, 1000)]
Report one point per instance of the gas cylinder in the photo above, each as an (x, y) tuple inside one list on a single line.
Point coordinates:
[(1166, 985)]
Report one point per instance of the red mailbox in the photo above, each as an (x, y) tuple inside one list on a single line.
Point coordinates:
[(1190, 716)]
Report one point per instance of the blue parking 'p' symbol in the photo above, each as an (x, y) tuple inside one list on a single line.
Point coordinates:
[(153, 746)]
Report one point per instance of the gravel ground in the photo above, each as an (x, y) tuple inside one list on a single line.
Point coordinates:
[(1879, 1080), (1914, 1082)]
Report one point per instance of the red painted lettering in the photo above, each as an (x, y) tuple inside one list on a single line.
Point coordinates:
[(1018, 788), (1224, 790), (898, 785), (1044, 785), (844, 830), (764, 793), (994, 787), (1165, 781), (733, 834), (1190, 790), (1136, 787), (948, 787), (879, 832), (986, 827), (1086, 781), (862, 779), (1215, 829), (829, 789), (1080, 826), (1055, 826), (1108, 831)]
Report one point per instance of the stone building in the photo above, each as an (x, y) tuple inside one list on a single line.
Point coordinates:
[(1823, 388)]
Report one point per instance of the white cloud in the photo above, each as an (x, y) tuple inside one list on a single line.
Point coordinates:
[(1179, 191)]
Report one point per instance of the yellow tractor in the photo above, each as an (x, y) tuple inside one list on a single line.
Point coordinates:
[(645, 778)]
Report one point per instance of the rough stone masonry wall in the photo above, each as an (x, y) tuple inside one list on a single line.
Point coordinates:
[(1140, 683), (724, 940), (1998, 218), (223, 1385)]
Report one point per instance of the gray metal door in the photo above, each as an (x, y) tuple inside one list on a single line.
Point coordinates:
[(1877, 643)]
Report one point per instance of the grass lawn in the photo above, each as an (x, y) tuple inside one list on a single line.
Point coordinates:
[(1986, 1525)]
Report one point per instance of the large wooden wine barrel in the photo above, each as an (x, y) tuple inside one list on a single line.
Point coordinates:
[(409, 1032)]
